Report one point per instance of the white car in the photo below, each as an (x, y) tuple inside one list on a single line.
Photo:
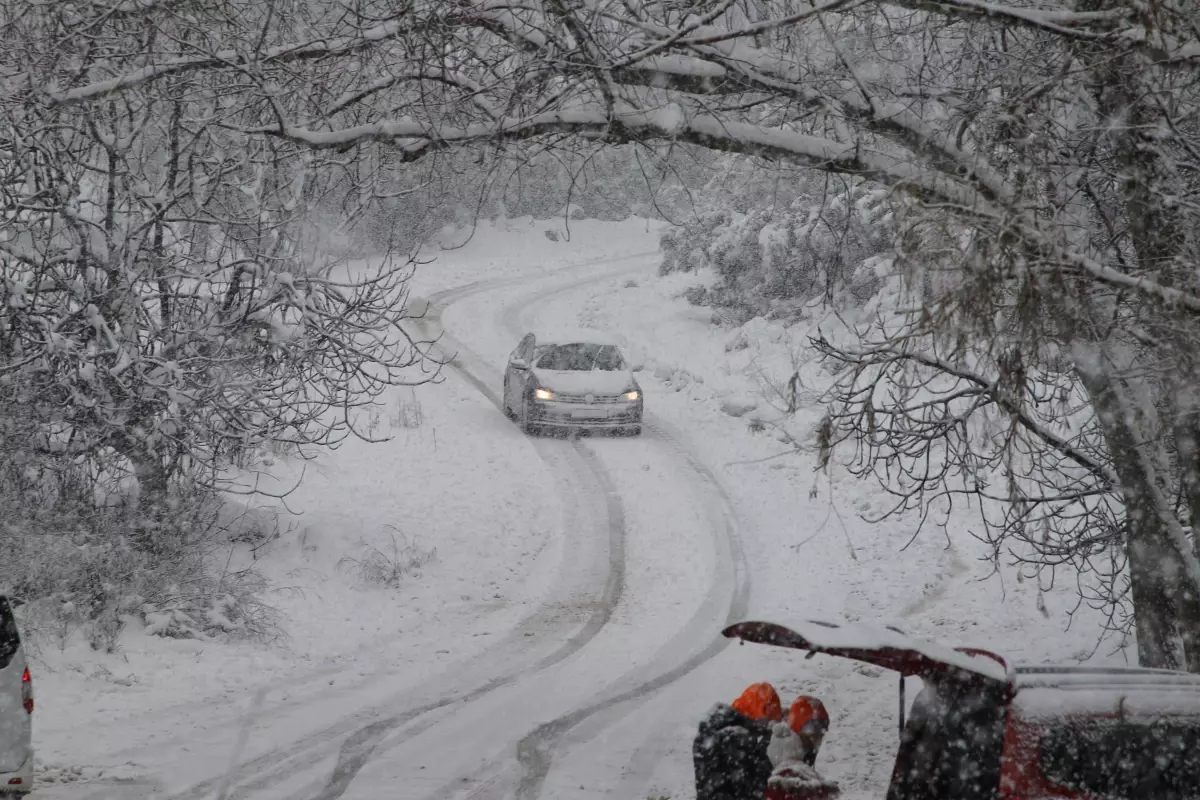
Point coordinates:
[(16, 708), (572, 381)]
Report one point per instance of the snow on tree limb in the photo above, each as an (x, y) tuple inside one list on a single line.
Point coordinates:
[(475, 91), (670, 121), (228, 59), (1069, 25), (1086, 266), (886, 118), (699, 31)]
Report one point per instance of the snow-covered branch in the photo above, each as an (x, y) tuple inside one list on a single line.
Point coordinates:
[(1116, 27), (887, 118), (474, 91), (413, 138), (229, 59)]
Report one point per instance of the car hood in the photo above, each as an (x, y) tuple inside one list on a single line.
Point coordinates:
[(596, 381)]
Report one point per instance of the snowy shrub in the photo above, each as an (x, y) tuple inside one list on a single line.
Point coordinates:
[(256, 532), (82, 567), (387, 567), (779, 258), (223, 606), (696, 295), (409, 414)]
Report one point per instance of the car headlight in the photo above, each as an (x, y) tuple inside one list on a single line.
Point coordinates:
[(543, 394), (632, 394)]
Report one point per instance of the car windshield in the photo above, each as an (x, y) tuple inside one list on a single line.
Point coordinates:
[(951, 745), (1154, 759), (581, 357)]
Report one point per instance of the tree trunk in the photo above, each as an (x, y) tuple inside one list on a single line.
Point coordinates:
[(1162, 564), (1186, 411), (153, 500), (1187, 450), (1166, 613)]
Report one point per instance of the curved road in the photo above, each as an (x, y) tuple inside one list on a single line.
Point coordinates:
[(523, 771), (650, 571)]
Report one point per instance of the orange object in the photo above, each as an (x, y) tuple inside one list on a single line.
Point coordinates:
[(808, 711), (760, 701)]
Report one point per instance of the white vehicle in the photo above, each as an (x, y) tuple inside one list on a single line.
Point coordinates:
[(16, 709), (572, 381)]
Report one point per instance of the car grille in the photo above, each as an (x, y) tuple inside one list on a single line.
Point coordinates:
[(582, 398), (560, 416)]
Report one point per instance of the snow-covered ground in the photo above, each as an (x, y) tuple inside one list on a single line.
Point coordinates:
[(556, 635)]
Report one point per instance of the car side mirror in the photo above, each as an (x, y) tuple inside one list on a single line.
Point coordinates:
[(519, 363)]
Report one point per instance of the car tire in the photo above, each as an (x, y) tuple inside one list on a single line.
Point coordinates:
[(504, 406), (527, 427), (634, 430)]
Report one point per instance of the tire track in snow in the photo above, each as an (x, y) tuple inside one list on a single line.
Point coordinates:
[(355, 754), (646, 755), (535, 752), (357, 750), (262, 771)]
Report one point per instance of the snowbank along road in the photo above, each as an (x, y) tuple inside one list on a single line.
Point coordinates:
[(581, 696)]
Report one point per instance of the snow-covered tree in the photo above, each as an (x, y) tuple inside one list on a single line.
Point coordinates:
[(165, 308), (803, 242)]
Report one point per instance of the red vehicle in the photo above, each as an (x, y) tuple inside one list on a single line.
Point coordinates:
[(980, 728)]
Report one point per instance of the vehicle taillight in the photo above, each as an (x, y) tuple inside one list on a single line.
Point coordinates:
[(27, 690)]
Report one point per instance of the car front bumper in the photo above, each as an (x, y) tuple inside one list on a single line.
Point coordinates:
[(586, 415)]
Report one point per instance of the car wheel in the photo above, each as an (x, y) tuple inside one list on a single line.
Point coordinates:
[(504, 406), (527, 427), (634, 430)]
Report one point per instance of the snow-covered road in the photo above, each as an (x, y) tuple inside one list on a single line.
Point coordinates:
[(647, 569), (675, 571), (650, 571)]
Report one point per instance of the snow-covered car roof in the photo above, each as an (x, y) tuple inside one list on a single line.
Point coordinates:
[(1081, 676), (577, 336), (1057, 691)]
